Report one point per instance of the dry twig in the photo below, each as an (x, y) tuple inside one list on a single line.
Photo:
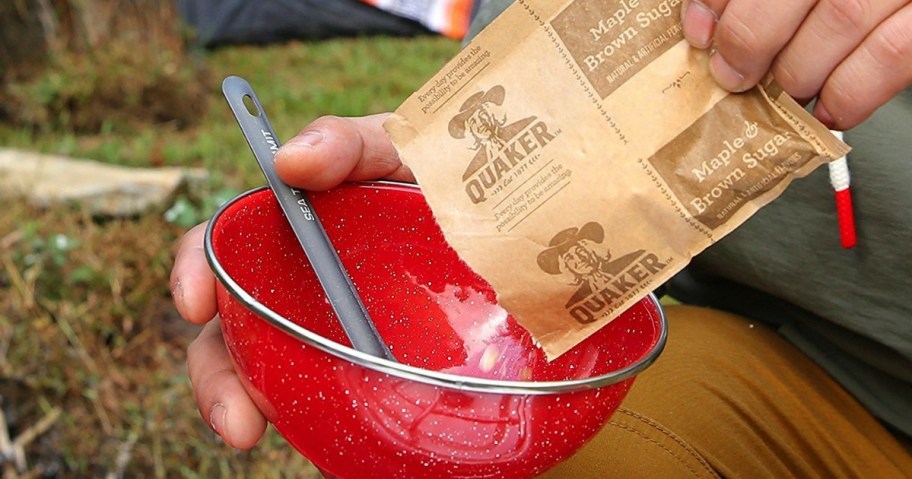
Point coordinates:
[(13, 451), (124, 454)]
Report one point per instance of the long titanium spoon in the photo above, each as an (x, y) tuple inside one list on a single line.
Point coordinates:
[(333, 278)]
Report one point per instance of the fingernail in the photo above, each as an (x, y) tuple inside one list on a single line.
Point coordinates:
[(726, 76), (217, 417), (309, 139), (822, 114), (699, 22)]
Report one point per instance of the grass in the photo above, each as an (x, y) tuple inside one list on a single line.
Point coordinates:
[(86, 324), (296, 83)]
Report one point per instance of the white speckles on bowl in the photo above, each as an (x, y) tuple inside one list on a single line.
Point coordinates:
[(471, 395)]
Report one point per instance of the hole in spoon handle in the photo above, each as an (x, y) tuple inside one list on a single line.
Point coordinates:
[(335, 281)]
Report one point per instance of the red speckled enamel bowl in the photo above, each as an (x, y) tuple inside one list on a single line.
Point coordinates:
[(471, 395)]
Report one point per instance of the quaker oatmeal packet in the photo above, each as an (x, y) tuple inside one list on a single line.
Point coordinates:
[(577, 154)]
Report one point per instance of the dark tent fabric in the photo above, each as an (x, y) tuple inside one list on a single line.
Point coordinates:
[(222, 22)]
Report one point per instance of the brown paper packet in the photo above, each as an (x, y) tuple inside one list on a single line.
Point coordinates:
[(577, 154)]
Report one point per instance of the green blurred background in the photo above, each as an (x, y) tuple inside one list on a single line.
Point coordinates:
[(92, 353)]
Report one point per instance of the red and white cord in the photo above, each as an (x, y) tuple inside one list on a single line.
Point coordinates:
[(845, 215)]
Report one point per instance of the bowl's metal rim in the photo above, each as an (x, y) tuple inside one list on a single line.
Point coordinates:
[(435, 378)]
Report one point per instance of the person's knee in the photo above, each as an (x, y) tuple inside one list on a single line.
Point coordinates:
[(632, 445)]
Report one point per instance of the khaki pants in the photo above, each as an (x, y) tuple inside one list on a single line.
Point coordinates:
[(733, 399)]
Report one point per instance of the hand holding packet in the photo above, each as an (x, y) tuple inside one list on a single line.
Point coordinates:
[(577, 154)]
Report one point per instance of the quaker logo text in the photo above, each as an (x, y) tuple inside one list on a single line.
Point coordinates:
[(500, 145), (599, 279)]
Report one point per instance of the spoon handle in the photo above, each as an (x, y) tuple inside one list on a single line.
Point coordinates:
[(333, 278)]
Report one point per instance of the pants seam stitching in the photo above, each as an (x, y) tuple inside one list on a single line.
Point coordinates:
[(654, 425)]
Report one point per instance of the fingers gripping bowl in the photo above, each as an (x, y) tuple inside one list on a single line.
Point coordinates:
[(470, 396)]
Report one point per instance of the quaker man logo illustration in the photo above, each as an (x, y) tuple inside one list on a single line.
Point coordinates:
[(478, 116), (579, 254), (499, 145)]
